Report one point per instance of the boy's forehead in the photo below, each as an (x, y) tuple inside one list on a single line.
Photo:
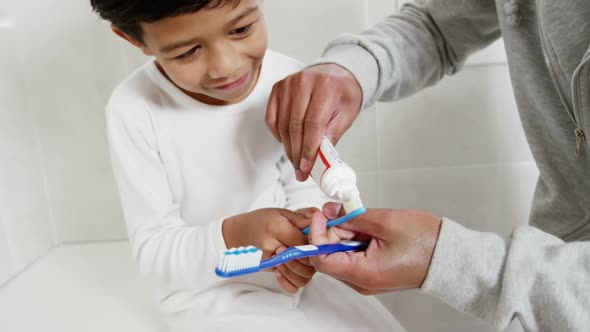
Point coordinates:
[(202, 23)]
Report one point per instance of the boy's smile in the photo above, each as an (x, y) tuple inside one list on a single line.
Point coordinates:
[(214, 54), (235, 84)]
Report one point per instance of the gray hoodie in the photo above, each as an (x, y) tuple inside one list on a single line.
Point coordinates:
[(541, 274)]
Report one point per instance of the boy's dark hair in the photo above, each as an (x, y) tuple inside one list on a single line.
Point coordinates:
[(127, 14)]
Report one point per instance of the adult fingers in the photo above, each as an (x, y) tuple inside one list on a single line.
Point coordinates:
[(375, 222), (322, 107), (295, 279), (299, 106), (284, 116), (272, 110)]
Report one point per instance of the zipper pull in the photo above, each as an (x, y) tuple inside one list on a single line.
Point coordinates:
[(580, 136)]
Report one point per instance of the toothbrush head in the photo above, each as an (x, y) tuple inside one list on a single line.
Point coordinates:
[(239, 261)]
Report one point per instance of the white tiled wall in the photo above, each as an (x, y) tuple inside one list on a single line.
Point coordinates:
[(77, 67), (6, 264), (456, 149), (26, 231)]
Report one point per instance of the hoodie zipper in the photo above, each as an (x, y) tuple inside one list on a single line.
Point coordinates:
[(579, 132)]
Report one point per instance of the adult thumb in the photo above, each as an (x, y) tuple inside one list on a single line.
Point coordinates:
[(374, 223)]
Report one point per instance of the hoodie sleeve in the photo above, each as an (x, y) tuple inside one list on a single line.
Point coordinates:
[(168, 251), (415, 48), (532, 276)]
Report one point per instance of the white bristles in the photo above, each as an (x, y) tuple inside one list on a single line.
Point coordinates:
[(241, 258)]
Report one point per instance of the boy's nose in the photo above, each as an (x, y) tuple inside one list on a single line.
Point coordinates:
[(221, 63)]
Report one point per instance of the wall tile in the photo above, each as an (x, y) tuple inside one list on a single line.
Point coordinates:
[(27, 231), (71, 72), (6, 265), (358, 146), (470, 118), (367, 184), (379, 10), (303, 28), (493, 54), (493, 198)]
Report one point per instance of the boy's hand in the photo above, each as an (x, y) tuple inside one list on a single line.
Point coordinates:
[(271, 230), (298, 273)]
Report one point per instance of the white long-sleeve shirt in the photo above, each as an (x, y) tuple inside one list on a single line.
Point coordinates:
[(182, 167)]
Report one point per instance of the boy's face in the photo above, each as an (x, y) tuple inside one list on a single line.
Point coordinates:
[(214, 54)]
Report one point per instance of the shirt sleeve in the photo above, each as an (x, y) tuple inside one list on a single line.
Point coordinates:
[(169, 251), (415, 48), (532, 276), (298, 194)]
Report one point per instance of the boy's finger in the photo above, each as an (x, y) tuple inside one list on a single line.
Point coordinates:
[(285, 283), (298, 220), (289, 235), (307, 212), (295, 279), (301, 269), (305, 261)]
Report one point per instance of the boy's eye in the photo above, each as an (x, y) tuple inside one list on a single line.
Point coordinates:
[(189, 53), (242, 30)]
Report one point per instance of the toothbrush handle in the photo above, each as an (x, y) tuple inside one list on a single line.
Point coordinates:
[(341, 247), (335, 222), (298, 252)]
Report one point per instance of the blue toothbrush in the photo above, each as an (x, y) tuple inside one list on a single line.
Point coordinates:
[(245, 260), (334, 222)]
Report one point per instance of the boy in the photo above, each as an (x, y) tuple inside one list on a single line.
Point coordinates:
[(198, 172)]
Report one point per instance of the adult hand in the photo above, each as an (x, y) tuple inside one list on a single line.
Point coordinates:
[(318, 101), (398, 256)]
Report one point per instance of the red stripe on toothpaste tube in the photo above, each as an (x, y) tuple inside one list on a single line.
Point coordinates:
[(336, 179)]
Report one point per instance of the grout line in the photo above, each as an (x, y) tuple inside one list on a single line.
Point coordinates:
[(481, 165), (27, 267), (34, 262), (69, 243), (379, 157), (47, 191)]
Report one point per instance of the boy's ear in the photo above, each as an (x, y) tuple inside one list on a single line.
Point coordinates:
[(132, 41)]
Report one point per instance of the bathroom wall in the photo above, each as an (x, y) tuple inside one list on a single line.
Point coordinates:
[(58, 67), (26, 231), (456, 149)]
